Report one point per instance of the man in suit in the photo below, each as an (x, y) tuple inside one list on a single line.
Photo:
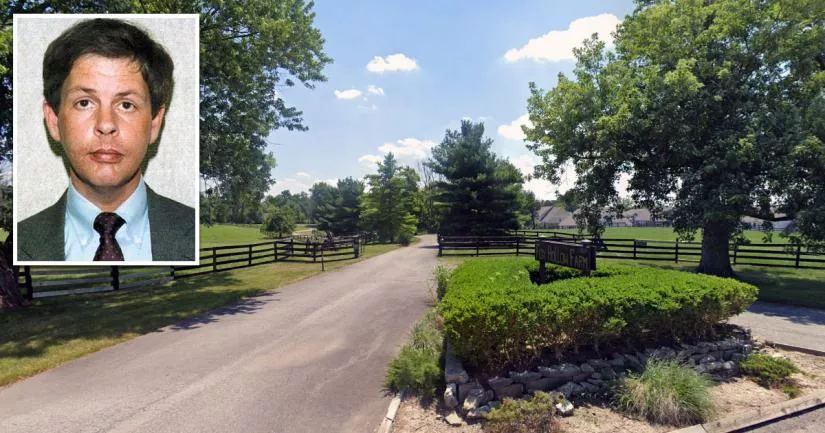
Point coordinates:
[(107, 86)]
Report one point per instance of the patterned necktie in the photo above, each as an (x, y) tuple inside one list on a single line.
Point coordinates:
[(107, 224)]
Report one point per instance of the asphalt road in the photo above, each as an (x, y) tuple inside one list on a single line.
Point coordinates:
[(812, 421), (309, 357), (785, 324)]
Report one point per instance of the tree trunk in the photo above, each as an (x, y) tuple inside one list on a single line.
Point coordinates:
[(10, 296), (715, 253)]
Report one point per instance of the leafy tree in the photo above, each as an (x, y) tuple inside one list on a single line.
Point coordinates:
[(347, 211), (300, 204), (324, 197), (428, 217), (390, 206), (278, 221), (715, 108), (479, 193)]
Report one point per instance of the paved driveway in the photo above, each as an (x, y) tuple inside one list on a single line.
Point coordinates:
[(309, 357)]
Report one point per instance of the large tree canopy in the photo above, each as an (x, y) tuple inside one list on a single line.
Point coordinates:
[(392, 203), (478, 193), (715, 108)]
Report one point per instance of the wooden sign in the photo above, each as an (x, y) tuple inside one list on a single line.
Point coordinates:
[(579, 256)]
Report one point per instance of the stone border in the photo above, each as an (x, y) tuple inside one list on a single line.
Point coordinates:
[(759, 416), (389, 418)]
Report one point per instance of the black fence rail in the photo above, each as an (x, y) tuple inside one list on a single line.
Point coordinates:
[(41, 282), (772, 255)]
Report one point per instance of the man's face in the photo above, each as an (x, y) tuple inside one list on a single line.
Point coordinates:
[(105, 122)]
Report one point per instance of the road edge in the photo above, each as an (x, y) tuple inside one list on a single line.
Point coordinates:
[(392, 410), (758, 416)]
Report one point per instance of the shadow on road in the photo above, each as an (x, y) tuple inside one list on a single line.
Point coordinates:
[(798, 315)]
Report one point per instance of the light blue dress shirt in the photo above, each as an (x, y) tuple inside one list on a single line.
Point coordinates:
[(81, 239)]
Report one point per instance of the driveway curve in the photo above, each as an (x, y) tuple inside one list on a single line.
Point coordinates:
[(308, 357)]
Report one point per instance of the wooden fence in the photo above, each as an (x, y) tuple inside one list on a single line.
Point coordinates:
[(772, 255), (40, 282)]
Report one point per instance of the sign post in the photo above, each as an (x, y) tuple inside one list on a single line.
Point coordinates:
[(582, 257)]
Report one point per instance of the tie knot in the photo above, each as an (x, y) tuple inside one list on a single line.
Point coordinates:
[(108, 223)]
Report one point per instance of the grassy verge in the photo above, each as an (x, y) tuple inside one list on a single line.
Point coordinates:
[(53, 331), (224, 234), (418, 366)]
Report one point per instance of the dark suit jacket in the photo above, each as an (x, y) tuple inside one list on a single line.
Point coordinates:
[(172, 229)]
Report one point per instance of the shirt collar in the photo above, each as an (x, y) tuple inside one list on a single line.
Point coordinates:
[(82, 212)]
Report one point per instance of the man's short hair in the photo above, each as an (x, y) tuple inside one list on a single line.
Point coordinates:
[(113, 39)]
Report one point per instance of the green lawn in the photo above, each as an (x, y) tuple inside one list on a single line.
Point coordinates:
[(53, 331), (667, 234), (224, 234)]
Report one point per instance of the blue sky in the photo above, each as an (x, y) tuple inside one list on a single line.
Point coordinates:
[(404, 72)]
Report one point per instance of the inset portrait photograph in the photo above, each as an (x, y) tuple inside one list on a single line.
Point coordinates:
[(106, 139)]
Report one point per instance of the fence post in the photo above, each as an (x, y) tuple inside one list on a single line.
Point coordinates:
[(677, 250), (275, 251), (172, 272), (115, 278), (517, 245), (478, 242), (250, 255), (735, 251), (634, 249), (27, 274), (798, 252), (438, 238), (315, 252), (214, 259)]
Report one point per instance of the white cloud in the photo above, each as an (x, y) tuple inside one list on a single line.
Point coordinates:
[(513, 130), (544, 189), (370, 160), (303, 174), (347, 94), (391, 63), (558, 45), (408, 147), (294, 186), (375, 90)]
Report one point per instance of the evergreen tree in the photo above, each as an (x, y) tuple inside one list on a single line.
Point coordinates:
[(389, 208)]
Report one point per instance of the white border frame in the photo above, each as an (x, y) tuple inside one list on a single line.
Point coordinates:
[(15, 114)]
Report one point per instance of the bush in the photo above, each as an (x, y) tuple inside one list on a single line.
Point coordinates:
[(667, 393), (496, 317), (442, 276), (768, 371), (418, 366), (523, 416)]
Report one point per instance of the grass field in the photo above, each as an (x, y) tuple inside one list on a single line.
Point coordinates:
[(53, 331), (239, 234)]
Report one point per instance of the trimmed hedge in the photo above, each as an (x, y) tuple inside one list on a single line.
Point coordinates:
[(495, 316)]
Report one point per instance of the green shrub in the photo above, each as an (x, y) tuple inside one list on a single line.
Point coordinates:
[(768, 371), (496, 317), (667, 393), (523, 416), (418, 365), (442, 277)]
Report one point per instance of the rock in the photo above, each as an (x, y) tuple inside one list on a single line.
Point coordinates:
[(498, 383), (607, 373), (719, 355), (598, 364), (747, 348), (564, 408), (475, 399), (597, 382), (465, 388), (453, 419), (587, 368), (494, 404), (700, 368), (663, 352), (514, 390), (726, 345), (713, 367), (706, 347), (642, 357), (570, 389), (543, 384), (634, 363), (618, 362), (451, 396), (479, 413), (726, 355), (736, 357), (562, 371), (589, 387), (728, 366), (454, 371), (687, 348), (596, 376), (524, 376), (707, 359)]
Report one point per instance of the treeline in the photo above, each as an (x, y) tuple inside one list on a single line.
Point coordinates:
[(463, 188)]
